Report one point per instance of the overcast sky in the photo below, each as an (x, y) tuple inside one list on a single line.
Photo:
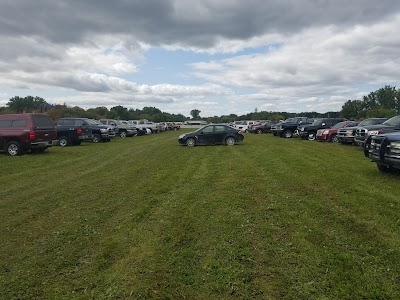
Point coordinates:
[(218, 56)]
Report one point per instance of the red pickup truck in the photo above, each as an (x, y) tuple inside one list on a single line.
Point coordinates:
[(22, 132)]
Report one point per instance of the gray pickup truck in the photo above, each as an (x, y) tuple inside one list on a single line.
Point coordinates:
[(123, 128)]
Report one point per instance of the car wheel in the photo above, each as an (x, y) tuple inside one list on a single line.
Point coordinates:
[(191, 142), (63, 141), (383, 168), (311, 136), (334, 139), (122, 134), (13, 148), (230, 141), (275, 134), (96, 138), (259, 131), (288, 134)]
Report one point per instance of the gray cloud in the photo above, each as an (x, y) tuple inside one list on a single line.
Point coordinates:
[(186, 22)]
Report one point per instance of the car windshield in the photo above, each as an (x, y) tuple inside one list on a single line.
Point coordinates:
[(368, 122), (339, 125), (292, 120), (317, 122), (201, 129), (393, 121)]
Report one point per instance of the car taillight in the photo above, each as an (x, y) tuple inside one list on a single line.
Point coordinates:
[(32, 135), (79, 131)]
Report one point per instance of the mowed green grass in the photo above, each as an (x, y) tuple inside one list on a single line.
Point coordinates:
[(145, 218)]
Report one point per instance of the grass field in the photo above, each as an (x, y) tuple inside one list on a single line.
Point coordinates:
[(144, 218)]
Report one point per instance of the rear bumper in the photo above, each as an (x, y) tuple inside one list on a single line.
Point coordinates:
[(43, 144)]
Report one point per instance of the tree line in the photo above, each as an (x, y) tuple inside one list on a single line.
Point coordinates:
[(384, 102)]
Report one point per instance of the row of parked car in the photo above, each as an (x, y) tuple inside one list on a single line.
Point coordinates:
[(20, 133), (380, 137)]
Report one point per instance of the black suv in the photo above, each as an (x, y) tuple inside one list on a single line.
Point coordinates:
[(362, 133), (310, 131), (288, 127), (384, 150)]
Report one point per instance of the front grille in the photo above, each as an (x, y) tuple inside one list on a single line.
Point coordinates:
[(361, 132)]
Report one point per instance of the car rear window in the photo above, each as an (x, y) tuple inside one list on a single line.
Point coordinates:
[(42, 121), (5, 123)]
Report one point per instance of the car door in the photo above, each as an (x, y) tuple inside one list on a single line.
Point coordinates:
[(86, 129), (205, 136), (219, 134)]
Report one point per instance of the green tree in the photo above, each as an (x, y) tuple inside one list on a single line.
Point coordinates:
[(195, 113), (351, 109)]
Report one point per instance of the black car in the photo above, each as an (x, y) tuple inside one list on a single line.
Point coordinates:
[(212, 135), (384, 150)]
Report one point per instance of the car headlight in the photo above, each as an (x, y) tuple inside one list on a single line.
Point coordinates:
[(394, 147), (103, 129), (326, 131), (373, 132), (181, 136)]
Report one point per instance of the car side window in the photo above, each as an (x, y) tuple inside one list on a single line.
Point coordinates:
[(208, 129), (67, 122), (219, 128)]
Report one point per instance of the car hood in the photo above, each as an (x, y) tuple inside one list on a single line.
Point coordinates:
[(377, 126)]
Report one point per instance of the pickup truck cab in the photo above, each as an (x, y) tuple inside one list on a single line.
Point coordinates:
[(362, 133), (22, 132)]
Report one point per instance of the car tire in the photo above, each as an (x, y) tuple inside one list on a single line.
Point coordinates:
[(334, 139), (13, 148), (259, 131), (383, 168), (275, 134), (63, 141), (230, 141), (96, 138), (311, 136), (191, 142), (287, 134), (122, 134)]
